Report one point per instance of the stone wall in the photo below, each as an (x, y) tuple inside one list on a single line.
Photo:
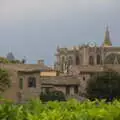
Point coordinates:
[(30, 92)]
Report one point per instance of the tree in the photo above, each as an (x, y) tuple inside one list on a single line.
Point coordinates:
[(104, 85), (51, 96), (6, 61), (4, 80)]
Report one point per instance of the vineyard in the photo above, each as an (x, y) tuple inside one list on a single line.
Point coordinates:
[(70, 110)]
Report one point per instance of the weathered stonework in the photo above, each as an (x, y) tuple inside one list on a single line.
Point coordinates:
[(85, 60), (88, 54), (28, 89)]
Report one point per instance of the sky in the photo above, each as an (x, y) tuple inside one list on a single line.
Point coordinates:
[(34, 28)]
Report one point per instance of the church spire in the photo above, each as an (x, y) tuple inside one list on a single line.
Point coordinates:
[(107, 41)]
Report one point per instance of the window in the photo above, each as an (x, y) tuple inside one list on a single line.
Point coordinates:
[(67, 90), (21, 83), (70, 61), (98, 59), (62, 61), (84, 78), (77, 60), (75, 89), (91, 60), (32, 82)]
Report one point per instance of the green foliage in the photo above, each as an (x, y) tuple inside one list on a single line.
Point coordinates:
[(6, 61), (70, 110), (104, 85), (4, 80), (15, 61), (51, 96), (107, 42)]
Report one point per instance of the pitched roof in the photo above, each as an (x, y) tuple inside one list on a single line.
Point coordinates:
[(88, 68), (25, 67), (61, 80)]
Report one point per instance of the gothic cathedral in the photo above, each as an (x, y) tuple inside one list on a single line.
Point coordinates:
[(88, 54)]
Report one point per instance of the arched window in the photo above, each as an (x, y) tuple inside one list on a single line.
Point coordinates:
[(67, 90), (77, 60), (70, 60), (32, 82), (63, 59), (62, 63), (91, 60), (98, 59), (76, 89)]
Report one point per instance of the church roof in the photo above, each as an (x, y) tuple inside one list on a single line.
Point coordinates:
[(61, 80)]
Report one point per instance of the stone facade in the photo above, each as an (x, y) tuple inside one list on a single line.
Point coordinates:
[(25, 81), (74, 85), (69, 85), (88, 54), (85, 60), (76, 66)]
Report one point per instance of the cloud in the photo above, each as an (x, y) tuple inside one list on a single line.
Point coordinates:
[(12, 10)]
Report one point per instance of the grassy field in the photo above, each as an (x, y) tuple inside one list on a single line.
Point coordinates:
[(70, 110)]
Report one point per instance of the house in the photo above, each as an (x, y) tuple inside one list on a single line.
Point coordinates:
[(25, 81), (74, 84), (69, 85)]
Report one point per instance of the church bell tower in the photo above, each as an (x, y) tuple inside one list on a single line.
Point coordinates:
[(107, 42)]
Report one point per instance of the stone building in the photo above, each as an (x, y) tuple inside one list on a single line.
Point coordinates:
[(85, 60), (74, 86), (87, 55), (25, 81), (69, 85)]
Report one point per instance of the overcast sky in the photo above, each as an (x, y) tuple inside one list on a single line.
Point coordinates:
[(34, 28)]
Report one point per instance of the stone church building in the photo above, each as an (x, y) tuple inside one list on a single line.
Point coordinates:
[(76, 67), (84, 61), (87, 55)]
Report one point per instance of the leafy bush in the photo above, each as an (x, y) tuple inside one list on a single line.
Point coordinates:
[(70, 110), (51, 96), (6, 61), (104, 85)]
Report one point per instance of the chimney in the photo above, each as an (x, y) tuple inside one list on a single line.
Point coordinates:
[(41, 62)]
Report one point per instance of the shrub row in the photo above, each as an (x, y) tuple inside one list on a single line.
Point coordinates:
[(69, 110)]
